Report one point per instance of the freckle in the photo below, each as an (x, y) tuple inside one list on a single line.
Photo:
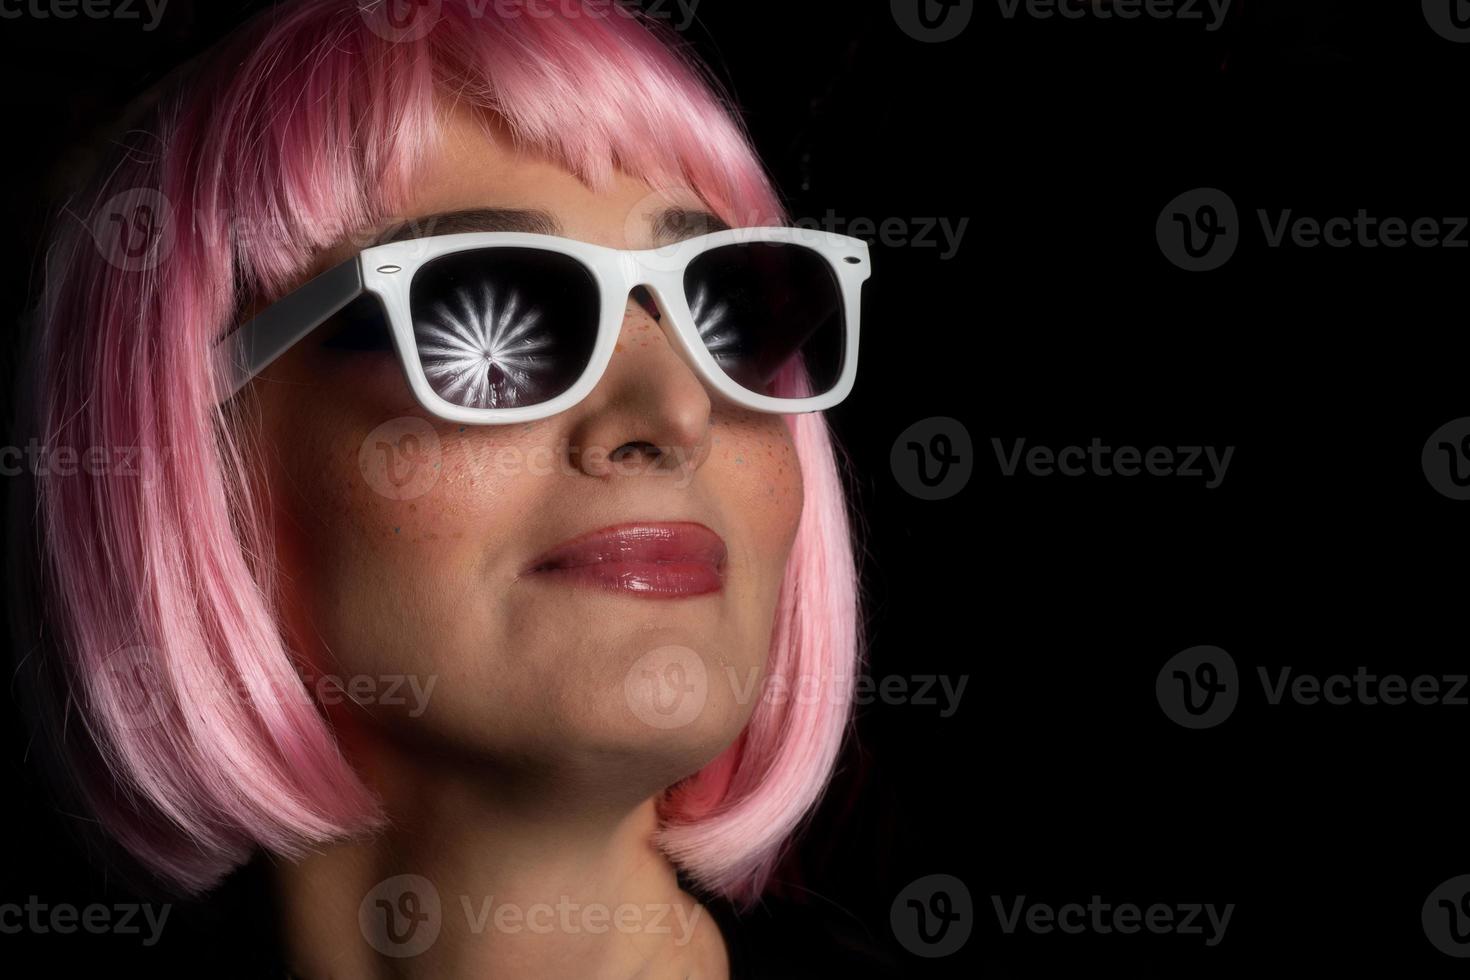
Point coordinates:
[(618, 348), (413, 506)]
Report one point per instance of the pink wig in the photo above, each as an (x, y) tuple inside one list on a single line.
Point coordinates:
[(308, 128)]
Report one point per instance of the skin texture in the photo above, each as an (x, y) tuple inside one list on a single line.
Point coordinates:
[(526, 774)]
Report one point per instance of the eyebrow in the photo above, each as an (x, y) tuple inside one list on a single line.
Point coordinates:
[(668, 226)]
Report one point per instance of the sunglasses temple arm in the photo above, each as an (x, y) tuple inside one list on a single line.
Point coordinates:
[(244, 353)]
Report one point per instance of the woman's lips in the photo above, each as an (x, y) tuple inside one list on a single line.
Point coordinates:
[(657, 561)]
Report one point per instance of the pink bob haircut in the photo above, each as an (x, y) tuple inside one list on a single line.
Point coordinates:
[(308, 127)]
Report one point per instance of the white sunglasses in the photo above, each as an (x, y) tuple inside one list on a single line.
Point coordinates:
[(501, 327)]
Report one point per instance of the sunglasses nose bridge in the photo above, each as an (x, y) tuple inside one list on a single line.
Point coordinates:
[(666, 289), (654, 273), (650, 290)]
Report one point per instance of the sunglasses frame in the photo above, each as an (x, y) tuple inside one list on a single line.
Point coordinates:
[(387, 271)]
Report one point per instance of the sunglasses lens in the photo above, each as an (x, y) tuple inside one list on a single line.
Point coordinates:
[(504, 327), (768, 311)]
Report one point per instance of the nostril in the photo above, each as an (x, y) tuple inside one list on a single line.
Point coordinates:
[(629, 448), (645, 299)]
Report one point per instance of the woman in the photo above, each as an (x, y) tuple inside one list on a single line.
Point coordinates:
[(484, 564)]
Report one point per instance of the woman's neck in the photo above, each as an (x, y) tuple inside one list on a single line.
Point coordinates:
[(472, 880)]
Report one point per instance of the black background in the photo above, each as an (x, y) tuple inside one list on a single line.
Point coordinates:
[(1060, 598)]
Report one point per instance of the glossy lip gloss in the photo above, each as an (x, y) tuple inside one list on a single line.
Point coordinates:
[(654, 561)]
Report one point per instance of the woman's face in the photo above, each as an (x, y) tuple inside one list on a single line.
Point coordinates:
[(405, 542)]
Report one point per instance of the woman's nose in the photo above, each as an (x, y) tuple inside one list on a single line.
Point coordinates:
[(650, 412)]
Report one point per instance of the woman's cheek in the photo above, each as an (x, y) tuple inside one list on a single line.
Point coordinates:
[(359, 494), (388, 531), (413, 480), (761, 481)]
